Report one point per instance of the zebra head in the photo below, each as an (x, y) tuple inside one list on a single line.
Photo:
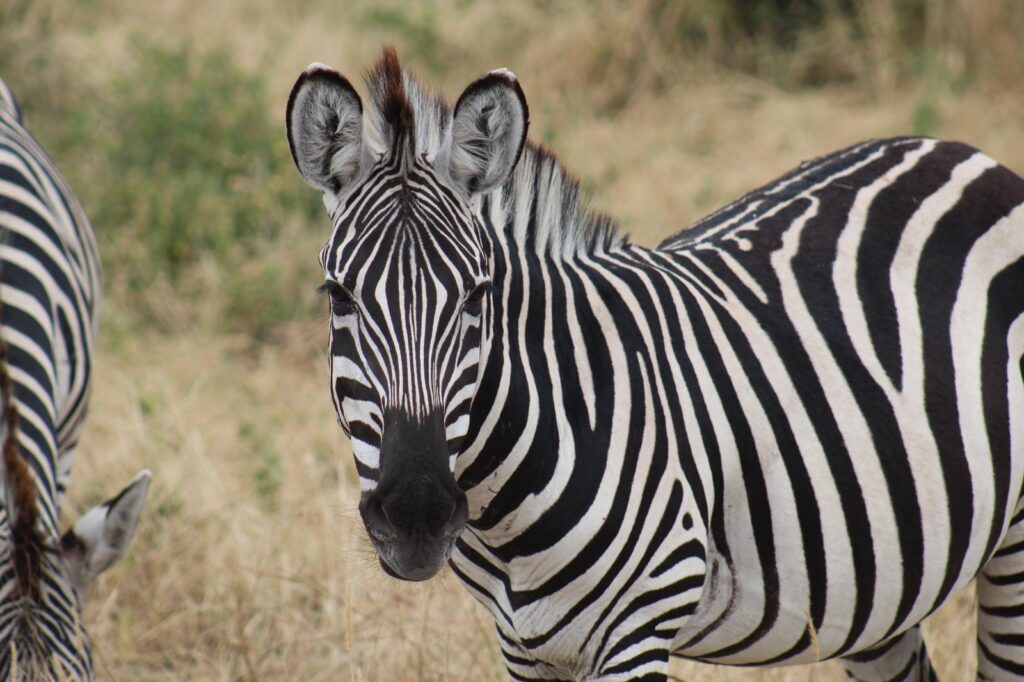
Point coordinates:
[(407, 270), (46, 576)]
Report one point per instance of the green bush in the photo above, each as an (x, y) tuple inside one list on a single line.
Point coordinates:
[(192, 164), (185, 173)]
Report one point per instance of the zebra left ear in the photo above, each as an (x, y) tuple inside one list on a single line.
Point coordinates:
[(488, 132), (101, 537), (324, 122)]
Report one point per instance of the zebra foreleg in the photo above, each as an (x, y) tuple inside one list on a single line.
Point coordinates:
[(903, 658), (1001, 608)]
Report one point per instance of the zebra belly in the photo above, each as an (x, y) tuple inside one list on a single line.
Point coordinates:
[(764, 603), (729, 626)]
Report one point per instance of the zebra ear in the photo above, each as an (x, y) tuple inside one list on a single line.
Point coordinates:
[(324, 120), (102, 536), (488, 132)]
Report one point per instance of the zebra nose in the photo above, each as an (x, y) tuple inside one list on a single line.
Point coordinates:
[(422, 506)]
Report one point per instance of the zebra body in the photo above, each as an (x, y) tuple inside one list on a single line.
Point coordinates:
[(761, 381), (892, 374), (788, 433), (49, 295)]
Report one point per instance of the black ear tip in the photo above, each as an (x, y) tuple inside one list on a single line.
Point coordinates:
[(502, 74), (315, 67)]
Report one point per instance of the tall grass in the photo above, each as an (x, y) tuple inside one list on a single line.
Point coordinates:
[(187, 179)]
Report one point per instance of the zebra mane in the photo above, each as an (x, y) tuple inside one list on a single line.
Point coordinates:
[(19, 492), (557, 217), (408, 119)]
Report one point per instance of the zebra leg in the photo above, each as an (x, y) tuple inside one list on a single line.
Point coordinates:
[(903, 658), (1001, 608)]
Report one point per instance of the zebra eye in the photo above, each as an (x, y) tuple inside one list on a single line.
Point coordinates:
[(476, 296), (342, 302)]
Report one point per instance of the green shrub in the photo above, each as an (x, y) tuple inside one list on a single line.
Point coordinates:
[(186, 176), (192, 163)]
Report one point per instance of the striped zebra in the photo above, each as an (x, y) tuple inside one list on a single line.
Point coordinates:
[(787, 434), (49, 294)]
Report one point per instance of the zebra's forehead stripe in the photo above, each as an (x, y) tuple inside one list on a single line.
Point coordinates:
[(384, 239)]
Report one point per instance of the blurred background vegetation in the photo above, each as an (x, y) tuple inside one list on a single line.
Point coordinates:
[(167, 120), (173, 138)]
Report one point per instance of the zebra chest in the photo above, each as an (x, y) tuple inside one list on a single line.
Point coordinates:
[(575, 620), (566, 643)]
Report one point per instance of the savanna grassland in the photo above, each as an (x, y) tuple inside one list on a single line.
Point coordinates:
[(166, 117)]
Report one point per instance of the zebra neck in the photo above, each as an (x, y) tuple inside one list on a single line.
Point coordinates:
[(563, 357)]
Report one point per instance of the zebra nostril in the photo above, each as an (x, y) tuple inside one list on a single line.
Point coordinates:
[(460, 512), (377, 522)]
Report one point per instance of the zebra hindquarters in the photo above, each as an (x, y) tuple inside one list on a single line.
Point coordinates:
[(1001, 608), (1000, 584)]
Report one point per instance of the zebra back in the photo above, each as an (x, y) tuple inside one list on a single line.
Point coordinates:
[(8, 102)]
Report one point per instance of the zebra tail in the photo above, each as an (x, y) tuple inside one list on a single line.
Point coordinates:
[(20, 488)]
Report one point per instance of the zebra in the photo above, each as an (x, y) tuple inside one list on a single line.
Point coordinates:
[(786, 434), (49, 298)]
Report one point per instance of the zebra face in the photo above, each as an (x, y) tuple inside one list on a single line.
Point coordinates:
[(45, 582), (407, 270), (406, 301)]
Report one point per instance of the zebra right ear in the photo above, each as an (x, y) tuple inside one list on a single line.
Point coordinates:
[(324, 120), (488, 132)]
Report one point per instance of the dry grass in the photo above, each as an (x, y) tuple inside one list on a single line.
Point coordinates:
[(250, 563)]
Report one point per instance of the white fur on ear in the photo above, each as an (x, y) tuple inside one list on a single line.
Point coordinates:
[(102, 536), (488, 132), (324, 121)]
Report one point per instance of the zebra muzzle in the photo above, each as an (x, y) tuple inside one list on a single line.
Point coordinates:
[(413, 529), (417, 510)]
